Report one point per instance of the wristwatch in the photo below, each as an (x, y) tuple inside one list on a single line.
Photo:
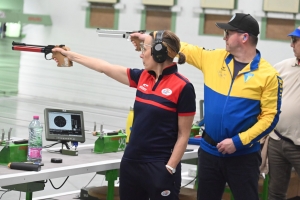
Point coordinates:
[(173, 170)]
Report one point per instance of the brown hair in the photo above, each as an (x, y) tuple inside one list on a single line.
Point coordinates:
[(253, 39), (172, 42)]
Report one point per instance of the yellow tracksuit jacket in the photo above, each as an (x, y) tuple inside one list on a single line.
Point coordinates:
[(245, 108)]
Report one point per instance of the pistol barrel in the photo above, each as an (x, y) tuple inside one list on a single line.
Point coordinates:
[(24, 44), (110, 31), (26, 48), (111, 35)]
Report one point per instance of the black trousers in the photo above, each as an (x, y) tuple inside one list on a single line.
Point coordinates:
[(240, 172), (144, 181)]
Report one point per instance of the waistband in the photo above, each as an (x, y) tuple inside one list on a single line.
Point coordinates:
[(282, 137), (208, 139)]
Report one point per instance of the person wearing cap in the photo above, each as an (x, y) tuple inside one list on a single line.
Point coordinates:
[(164, 110), (242, 95), (242, 98), (284, 142)]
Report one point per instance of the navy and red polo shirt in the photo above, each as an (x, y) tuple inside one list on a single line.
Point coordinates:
[(156, 109)]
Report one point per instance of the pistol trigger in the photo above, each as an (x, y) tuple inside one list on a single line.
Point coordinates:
[(46, 56)]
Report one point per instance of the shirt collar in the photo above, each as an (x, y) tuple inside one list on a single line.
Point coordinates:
[(253, 64), (296, 63), (167, 71)]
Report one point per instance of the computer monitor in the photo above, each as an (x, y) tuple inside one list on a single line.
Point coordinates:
[(64, 125)]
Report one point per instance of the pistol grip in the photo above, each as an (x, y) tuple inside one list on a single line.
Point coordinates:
[(137, 42), (61, 59)]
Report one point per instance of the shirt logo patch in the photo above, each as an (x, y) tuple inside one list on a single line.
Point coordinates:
[(247, 76), (222, 74), (165, 193), (143, 87), (166, 91)]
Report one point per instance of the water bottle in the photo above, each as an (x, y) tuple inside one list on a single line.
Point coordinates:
[(129, 124), (35, 141)]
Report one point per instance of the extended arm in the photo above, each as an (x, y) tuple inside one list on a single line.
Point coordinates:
[(116, 72)]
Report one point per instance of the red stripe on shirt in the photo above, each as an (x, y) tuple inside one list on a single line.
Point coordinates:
[(155, 104), (187, 114)]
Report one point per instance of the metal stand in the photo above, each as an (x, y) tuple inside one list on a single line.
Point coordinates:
[(29, 188), (67, 151), (110, 176)]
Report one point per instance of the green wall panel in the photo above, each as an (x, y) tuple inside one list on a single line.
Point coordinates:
[(9, 68), (11, 5)]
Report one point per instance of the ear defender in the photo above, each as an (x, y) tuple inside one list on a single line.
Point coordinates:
[(159, 51), (245, 37)]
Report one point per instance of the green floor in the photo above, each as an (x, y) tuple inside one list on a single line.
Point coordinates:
[(9, 68)]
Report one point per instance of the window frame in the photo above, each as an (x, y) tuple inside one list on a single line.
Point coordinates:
[(88, 18), (263, 30), (173, 18)]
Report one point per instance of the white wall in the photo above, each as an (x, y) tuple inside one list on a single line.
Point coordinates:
[(42, 78)]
